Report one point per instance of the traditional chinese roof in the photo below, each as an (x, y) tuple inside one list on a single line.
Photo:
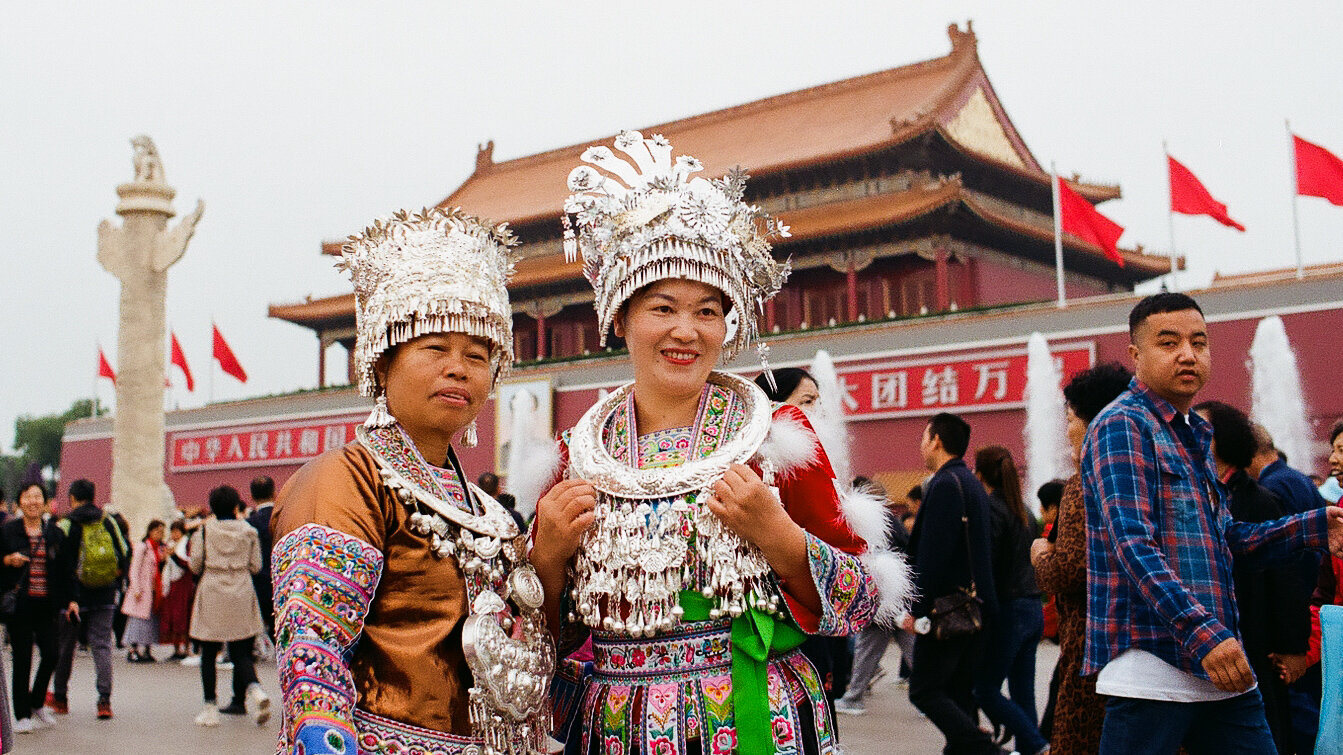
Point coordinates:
[(1260, 276), (831, 122)]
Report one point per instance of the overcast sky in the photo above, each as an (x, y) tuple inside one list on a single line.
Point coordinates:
[(300, 121)]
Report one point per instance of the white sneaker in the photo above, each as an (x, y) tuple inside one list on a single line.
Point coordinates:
[(209, 715), (259, 702), (849, 708), (43, 718), (24, 726), (191, 660)]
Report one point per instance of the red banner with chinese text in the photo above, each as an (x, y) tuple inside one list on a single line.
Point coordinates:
[(263, 444), (968, 383)]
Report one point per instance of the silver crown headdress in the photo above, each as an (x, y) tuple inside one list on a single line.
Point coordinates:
[(655, 222), (435, 271)]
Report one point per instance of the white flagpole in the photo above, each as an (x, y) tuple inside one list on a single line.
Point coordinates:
[(1170, 220), (93, 409), (1058, 235), (211, 398), (1296, 222)]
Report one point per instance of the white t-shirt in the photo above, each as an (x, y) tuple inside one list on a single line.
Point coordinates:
[(1138, 673)]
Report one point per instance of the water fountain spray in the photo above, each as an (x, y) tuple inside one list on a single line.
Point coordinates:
[(1046, 430), (1277, 401)]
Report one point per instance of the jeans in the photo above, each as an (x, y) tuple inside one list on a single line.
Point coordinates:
[(1235, 726), (33, 625), (99, 624), (244, 672), (940, 686), (1013, 639)]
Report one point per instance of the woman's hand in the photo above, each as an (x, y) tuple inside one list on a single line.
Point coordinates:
[(563, 514), (748, 507), (1039, 547), (15, 560)]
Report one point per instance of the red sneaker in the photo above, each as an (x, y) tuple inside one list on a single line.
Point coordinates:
[(57, 706), (104, 710)]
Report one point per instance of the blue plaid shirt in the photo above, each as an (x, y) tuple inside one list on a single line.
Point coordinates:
[(1160, 537)]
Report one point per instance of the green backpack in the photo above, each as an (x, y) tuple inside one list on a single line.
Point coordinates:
[(98, 555)]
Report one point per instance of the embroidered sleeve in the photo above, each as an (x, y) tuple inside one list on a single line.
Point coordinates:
[(848, 592), (324, 582)]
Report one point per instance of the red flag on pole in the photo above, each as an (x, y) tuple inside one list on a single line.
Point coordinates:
[(1319, 172), (1078, 217), (1189, 197), (104, 368), (227, 361), (180, 359)]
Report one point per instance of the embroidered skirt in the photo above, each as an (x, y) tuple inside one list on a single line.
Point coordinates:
[(672, 695), (383, 736)]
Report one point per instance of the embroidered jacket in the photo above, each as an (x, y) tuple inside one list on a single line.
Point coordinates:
[(1160, 538)]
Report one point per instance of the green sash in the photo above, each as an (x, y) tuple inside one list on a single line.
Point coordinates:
[(755, 635)]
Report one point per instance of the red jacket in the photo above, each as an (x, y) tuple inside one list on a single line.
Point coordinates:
[(1328, 591)]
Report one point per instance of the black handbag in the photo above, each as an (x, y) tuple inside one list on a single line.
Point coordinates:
[(959, 614), (9, 602)]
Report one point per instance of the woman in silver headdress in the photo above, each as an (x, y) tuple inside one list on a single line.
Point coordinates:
[(407, 616), (697, 533)]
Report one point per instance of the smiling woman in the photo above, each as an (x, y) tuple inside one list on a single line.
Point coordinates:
[(408, 618), (697, 533)]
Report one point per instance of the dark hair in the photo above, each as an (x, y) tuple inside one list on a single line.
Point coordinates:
[(954, 432), (1166, 301), (1232, 433), (999, 471), (1337, 431), (225, 502), (786, 381), (1050, 494), (488, 482), (82, 490), (915, 493), (24, 489), (177, 526), (508, 501), (150, 527), (263, 488), (1090, 391)]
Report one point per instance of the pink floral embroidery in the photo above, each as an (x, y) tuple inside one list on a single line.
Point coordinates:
[(724, 741)]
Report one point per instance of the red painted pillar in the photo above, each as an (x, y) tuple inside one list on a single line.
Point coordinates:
[(851, 280), (322, 346), (769, 316), (943, 283), (540, 337)]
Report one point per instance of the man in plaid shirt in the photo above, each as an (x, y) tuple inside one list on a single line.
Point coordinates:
[(1161, 622)]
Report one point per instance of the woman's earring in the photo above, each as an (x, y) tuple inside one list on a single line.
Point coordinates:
[(469, 437), (380, 416)]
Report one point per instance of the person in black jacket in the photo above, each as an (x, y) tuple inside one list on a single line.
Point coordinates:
[(949, 548), (1273, 603), (263, 496), (30, 546)]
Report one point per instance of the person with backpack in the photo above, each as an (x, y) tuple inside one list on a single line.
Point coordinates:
[(96, 554)]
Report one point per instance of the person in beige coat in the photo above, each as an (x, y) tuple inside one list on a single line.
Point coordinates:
[(226, 552)]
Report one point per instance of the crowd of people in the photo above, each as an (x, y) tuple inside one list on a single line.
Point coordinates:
[(695, 578), (78, 583)]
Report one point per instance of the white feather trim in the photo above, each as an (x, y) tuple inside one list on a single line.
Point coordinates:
[(865, 513), (895, 584), (528, 480), (789, 445)]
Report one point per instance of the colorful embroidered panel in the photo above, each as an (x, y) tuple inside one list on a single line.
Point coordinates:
[(848, 593), (324, 581), (383, 736)]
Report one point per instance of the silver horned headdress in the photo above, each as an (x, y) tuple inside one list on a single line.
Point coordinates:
[(643, 219), (435, 271)]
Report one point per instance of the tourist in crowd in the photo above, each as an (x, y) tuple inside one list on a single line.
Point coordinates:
[(1161, 618), (263, 501), (95, 551), (393, 511), (829, 654), (30, 546), (667, 455), (949, 548), (1273, 603), (178, 588), (870, 645), (143, 599), (119, 617), (226, 553), (1013, 638), (1060, 563), (1049, 495)]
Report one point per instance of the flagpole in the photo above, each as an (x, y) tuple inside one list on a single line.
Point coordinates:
[(1170, 220), (93, 409), (1296, 222), (211, 398), (1058, 234)]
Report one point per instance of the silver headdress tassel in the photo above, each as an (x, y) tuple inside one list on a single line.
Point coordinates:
[(435, 271), (643, 219)]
